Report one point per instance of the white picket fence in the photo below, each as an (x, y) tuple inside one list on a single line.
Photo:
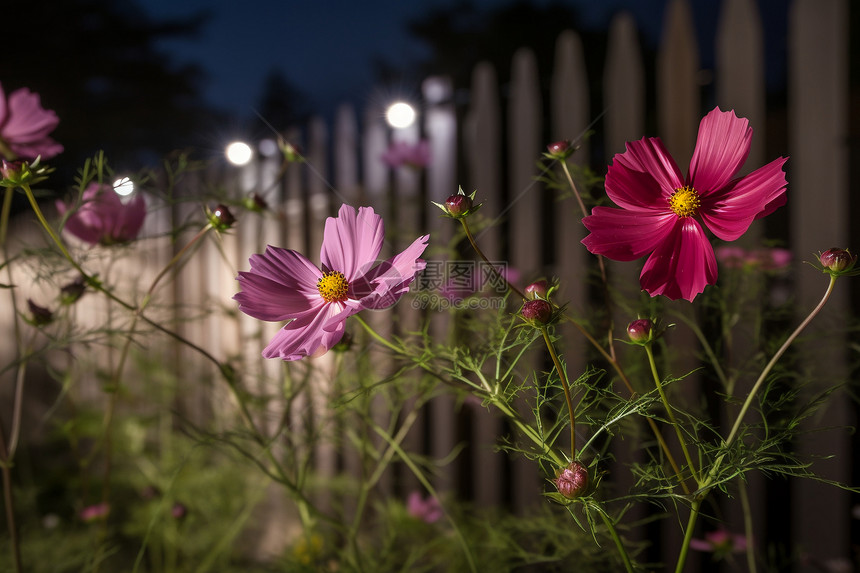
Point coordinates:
[(467, 150)]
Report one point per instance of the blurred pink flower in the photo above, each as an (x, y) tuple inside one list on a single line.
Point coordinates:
[(468, 279), (403, 153), (661, 213), (103, 218), (284, 285), (94, 512), (427, 510), (768, 259), (25, 125), (720, 542)]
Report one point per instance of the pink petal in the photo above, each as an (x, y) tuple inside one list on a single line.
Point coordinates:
[(722, 147), (643, 176), (280, 285), (729, 212), (351, 243), (682, 265), (28, 121), (626, 235), (387, 282), (305, 336)]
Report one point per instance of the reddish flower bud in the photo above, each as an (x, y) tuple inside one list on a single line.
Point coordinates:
[(538, 311), (537, 289), (178, 511), (837, 260), (254, 202), (572, 481), (558, 147), (458, 205), (641, 330), (41, 315), (72, 292), (220, 217)]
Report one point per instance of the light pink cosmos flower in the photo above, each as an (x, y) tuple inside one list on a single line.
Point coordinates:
[(766, 259), (721, 542), (662, 213), (94, 512), (25, 125), (427, 510), (284, 285), (103, 218), (402, 153)]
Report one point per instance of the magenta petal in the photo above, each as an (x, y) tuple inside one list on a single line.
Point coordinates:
[(103, 218), (626, 235), (722, 147), (682, 265), (28, 121), (643, 176), (729, 213), (351, 242), (280, 285), (387, 282), (305, 336)]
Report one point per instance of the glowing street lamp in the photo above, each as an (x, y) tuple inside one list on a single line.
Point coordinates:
[(123, 186), (400, 115), (239, 153)]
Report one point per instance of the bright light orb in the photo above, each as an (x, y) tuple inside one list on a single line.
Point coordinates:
[(239, 153), (400, 115), (123, 186)]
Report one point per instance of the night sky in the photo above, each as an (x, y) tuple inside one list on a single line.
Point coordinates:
[(326, 47)]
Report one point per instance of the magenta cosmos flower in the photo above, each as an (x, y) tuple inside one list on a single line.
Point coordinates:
[(25, 125), (284, 285), (103, 218), (662, 213), (402, 153)]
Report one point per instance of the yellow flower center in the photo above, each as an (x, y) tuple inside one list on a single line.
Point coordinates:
[(685, 202), (333, 286)]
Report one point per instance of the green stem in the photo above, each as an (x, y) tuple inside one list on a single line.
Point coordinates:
[(6, 470), (748, 524), (628, 566), (688, 536), (651, 423), (670, 413), (487, 261), (432, 491), (376, 336), (758, 383), (566, 387)]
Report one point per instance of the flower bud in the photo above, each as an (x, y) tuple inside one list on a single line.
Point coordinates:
[(537, 311), (837, 260), (641, 330), (254, 202), (458, 205), (11, 170), (537, 289), (178, 511), (344, 344), (41, 315), (72, 292), (560, 149), (220, 217), (572, 481)]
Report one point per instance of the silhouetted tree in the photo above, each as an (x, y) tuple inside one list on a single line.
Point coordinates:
[(282, 104), (95, 63)]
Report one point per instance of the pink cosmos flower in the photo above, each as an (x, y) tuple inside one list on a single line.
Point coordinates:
[(415, 155), (94, 512), (284, 285), (25, 125), (662, 213), (721, 542), (103, 218), (767, 259), (427, 510)]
